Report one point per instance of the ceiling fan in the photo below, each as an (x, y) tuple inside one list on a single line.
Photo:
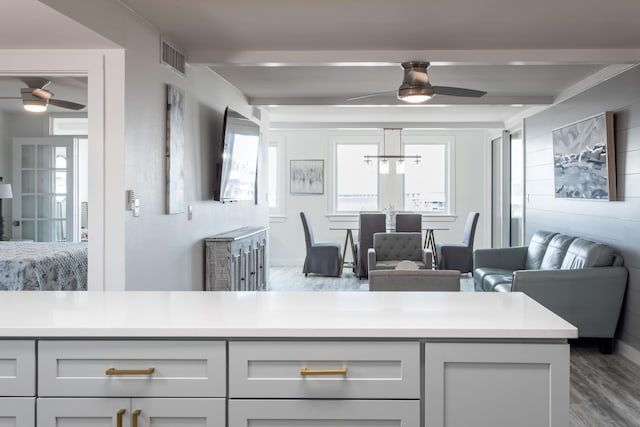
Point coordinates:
[(416, 88), (36, 98)]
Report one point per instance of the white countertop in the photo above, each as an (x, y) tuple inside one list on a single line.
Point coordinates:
[(279, 314)]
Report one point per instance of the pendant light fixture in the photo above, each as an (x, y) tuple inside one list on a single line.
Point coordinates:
[(385, 158)]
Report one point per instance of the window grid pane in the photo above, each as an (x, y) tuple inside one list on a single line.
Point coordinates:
[(425, 183), (356, 182)]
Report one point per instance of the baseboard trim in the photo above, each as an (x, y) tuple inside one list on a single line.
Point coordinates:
[(625, 350)]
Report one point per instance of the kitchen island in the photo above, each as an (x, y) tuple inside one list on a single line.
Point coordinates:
[(286, 359)]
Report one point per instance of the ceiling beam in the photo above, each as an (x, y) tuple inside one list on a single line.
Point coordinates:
[(393, 58), (392, 100)]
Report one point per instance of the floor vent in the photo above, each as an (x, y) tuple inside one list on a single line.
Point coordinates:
[(170, 56)]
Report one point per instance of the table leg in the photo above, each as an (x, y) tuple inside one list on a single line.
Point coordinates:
[(430, 243), (344, 253), (353, 249)]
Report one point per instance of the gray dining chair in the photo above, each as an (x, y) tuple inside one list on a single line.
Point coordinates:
[(322, 258), (410, 222), (370, 223), (459, 256)]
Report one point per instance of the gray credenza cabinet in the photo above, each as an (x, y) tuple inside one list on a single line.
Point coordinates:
[(237, 260)]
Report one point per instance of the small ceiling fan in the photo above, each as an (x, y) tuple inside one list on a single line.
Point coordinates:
[(36, 98), (416, 88)]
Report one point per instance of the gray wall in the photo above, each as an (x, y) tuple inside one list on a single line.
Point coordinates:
[(616, 223)]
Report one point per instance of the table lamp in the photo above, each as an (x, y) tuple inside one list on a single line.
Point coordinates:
[(5, 193)]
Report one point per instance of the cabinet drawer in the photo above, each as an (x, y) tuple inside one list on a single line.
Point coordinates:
[(325, 413), (17, 368), (356, 370), (179, 368)]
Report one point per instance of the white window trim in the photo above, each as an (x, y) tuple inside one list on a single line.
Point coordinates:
[(425, 138), (54, 116), (278, 214), (371, 139)]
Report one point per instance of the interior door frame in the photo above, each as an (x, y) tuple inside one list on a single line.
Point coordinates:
[(105, 72)]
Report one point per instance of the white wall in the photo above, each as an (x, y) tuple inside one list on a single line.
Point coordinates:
[(472, 180), (165, 252)]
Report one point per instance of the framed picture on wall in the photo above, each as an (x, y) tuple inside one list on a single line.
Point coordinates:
[(307, 177), (584, 159)]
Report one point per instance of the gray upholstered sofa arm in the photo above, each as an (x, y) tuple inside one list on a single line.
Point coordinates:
[(371, 259), (427, 258), (589, 297), (507, 258)]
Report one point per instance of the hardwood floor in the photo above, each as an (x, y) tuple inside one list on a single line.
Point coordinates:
[(605, 389)]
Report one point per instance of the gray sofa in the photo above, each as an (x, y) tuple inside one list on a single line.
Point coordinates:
[(582, 281), (391, 248)]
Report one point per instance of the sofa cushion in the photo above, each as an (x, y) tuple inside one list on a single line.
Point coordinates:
[(391, 264), (480, 273), (556, 251), (492, 280), (537, 248), (583, 253)]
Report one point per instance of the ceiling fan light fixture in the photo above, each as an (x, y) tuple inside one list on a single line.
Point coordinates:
[(415, 87), (35, 105)]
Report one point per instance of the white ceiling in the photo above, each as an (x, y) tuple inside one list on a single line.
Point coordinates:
[(302, 59)]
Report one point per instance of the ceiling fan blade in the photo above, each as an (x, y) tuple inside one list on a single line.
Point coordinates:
[(458, 91), (370, 95), (66, 104), (10, 97)]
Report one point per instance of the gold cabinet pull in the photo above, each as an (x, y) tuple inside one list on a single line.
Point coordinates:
[(305, 371), (134, 418), (114, 371), (119, 415)]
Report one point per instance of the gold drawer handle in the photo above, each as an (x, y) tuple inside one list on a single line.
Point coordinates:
[(134, 418), (114, 371), (305, 371), (119, 415)]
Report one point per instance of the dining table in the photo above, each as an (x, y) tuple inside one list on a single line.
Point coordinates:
[(429, 243)]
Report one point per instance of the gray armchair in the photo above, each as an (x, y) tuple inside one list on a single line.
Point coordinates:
[(322, 258), (414, 280), (459, 256), (370, 223), (391, 248)]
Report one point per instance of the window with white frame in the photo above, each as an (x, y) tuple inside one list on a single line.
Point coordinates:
[(356, 186), (276, 180), (427, 184)]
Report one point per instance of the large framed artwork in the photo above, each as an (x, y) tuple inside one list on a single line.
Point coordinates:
[(307, 177), (175, 150), (584, 159)]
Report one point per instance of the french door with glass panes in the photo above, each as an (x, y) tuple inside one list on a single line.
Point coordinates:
[(43, 179)]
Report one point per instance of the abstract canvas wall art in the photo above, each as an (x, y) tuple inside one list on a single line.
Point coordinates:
[(307, 177), (584, 159), (175, 150)]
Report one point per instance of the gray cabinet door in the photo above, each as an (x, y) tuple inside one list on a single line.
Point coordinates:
[(325, 413), (489, 385), (94, 412), (192, 412), (17, 411)]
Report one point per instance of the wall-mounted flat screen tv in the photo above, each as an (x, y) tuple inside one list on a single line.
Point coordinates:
[(237, 167)]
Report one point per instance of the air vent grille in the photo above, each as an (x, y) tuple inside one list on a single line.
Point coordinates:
[(170, 56)]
